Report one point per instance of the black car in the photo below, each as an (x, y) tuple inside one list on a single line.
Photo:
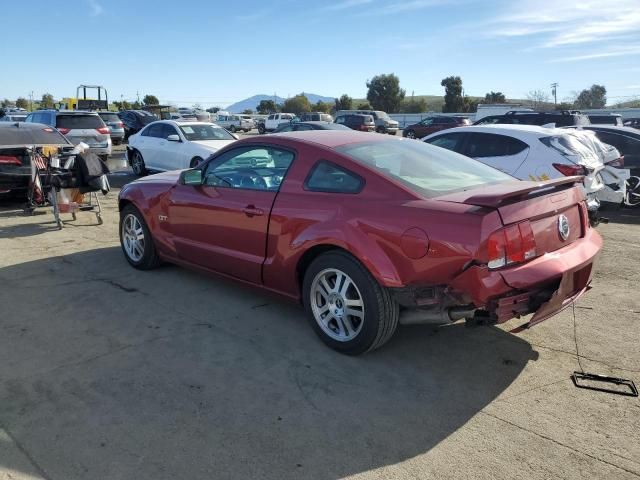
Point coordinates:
[(632, 122), (16, 139), (135, 120), (357, 121), (565, 118), (625, 139), (302, 126), (611, 119)]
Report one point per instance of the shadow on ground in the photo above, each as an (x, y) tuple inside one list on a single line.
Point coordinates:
[(108, 372)]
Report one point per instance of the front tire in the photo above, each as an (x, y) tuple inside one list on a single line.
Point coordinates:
[(232, 129), (195, 161), (346, 306), (410, 134), (136, 241), (261, 129), (137, 164)]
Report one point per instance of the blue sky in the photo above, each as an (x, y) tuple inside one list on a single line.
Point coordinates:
[(218, 52)]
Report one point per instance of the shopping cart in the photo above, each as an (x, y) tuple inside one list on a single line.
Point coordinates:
[(63, 181)]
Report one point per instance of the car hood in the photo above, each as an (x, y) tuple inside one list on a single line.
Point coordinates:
[(170, 177), (213, 145)]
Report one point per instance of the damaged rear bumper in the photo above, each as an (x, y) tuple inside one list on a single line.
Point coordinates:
[(544, 286)]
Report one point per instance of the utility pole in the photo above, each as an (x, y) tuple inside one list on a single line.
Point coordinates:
[(554, 90), (138, 95), (31, 101)]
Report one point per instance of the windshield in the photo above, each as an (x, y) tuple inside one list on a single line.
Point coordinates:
[(380, 114), (204, 131), (427, 170)]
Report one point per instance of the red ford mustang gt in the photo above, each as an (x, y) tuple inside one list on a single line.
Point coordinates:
[(368, 232)]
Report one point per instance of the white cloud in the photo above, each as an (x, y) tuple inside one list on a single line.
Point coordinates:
[(95, 8), (616, 51), (569, 22), (345, 4)]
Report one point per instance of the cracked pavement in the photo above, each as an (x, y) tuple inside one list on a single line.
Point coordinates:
[(111, 373)]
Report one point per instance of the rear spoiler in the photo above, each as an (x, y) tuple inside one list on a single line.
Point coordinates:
[(497, 195)]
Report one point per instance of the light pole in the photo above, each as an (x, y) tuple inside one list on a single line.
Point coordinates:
[(554, 90)]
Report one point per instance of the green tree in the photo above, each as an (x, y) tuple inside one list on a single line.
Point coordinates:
[(136, 105), (22, 102), (414, 106), (594, 97), (248, 111), (47, 101), (324, 107), (494, 97), (470, 105), (345, 102), (453, 101), (385, 93), (123, 105), (150, 100), (267, 106), (298, 104), (6, 103), (213, 109), (565, 106), (364, 106)]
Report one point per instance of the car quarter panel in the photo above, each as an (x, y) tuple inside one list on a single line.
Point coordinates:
[(370, 225)]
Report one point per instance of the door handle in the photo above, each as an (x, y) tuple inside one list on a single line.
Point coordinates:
[(252, 211)]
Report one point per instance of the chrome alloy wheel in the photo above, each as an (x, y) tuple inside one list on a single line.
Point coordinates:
[(137, 163), (337, 305), (133, 238)]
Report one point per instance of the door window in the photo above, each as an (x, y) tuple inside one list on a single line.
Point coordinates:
[(300, 128), (251, 168), (168, 130), (154, 130), (426, 121), (481, 145)]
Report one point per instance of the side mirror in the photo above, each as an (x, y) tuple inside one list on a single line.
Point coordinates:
[(173, 138), (191, 177)]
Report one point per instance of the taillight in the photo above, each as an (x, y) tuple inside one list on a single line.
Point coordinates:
[(63, 130), (512, 244), (9, 160), (617, 163), (570, 170), (104, 130)]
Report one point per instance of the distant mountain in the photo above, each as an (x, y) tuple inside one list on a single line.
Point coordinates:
[(252, 102)]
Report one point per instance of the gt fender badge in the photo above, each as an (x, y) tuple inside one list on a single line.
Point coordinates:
[(563, 227)]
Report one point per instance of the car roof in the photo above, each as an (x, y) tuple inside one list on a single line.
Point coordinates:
[(25, 133), (611, 128), (178, 123), (333, 138), (506, 129)]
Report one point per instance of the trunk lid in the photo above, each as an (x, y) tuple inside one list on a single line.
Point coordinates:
[(553, 208)]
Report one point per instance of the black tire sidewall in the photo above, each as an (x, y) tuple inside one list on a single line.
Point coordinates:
[(195, 162), (143, 169), (367, 286)]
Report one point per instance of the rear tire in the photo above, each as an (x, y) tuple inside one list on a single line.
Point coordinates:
[(380, 130), (633, 192), (346, 306), (261, 129), (136, 240), (410, 134), (137, 164)]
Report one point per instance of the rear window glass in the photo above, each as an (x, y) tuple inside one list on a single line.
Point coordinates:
[(79, 121), (110, 117), (12, 135), (423, 168)]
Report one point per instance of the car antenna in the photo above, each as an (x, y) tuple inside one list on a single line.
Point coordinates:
[(579, 378)]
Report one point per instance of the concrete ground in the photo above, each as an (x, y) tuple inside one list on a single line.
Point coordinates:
[(111, 373)]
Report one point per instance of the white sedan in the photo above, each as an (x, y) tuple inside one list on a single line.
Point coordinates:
[(172, 145)]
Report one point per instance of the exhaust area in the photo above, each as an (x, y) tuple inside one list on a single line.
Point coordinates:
[(435, 316)]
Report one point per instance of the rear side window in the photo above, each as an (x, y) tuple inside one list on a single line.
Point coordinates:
[(79, 121), (329, 177), (109, 117), (482, 145), (450, 141)]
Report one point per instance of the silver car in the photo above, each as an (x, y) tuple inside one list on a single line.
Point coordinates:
[(116, 127), (78, 127)]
